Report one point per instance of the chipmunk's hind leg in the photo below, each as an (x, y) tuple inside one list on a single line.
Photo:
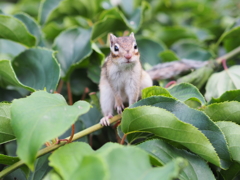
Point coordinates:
[(107, 103)]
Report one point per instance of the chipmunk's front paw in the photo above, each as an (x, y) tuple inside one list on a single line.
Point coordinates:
[(105, 120), (119, 108)]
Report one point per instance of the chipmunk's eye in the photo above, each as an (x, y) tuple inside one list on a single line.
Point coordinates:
[(135, 46), (116, 48)]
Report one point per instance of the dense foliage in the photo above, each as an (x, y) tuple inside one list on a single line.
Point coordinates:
[(52, 50)]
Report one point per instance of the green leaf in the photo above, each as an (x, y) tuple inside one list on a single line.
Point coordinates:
[(232, 134), (189, 49), (73, 46), (169, 35), (41, 168), (66, 159), (232, 95), (46, 8), (185, 91), (226, 111), (17, 173), (230, 39), (198, 77), (10, 49), (107, 161), (32, 27), (149, 50), (52, 175), (223, 81), (168, 56), (166, 153), (155, 91), (232, 172), (107, 24), (166, 125), (41, 117), (13, 29), (135, 163), (90, 164), (168, 172), (196, 118), (8, 76), (95, 61), (37, 68), (6, 132), (8, 160)]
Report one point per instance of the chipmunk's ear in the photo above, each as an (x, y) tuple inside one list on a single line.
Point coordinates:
[(132, 35), (112, 39)]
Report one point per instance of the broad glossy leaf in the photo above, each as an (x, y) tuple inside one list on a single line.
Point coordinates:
[(13, 29), (196, 118), (52, 30), (6, 132), (155, 91), (10, 49), (73, 45), (58, 9), (185, 91), (198, 77), (52, 175), (90, 164), (166, 125), (135, 163), (38, 69), (107, 161), (168, 56), (232, 173), (230, 39), (41, 168), (232, 134), (66, 159), (41, 117), (149, 50), (232, 95), (95, 61), (32, 27), (169, 35), (46, 9), (8, 160), (166, 153), (17, 173), (226, 111), (8, 76), (189, 49), (170, 171), (223, 81), (108, 24)]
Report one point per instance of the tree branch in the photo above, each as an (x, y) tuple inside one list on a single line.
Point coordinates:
[(172, 69)]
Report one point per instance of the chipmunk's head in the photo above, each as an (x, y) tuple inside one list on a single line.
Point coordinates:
[(124, 50)]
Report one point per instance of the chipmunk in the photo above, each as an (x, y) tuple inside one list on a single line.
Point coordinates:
[(122, 76)]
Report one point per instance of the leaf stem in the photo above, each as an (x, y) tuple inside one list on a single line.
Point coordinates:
[(55, 146), (224, 63)]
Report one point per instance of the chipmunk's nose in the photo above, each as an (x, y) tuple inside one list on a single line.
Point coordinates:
[(128, 56)]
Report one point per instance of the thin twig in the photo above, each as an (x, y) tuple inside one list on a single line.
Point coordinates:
[(86, 91), (56, 146), (123, 139), (60, 85)]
